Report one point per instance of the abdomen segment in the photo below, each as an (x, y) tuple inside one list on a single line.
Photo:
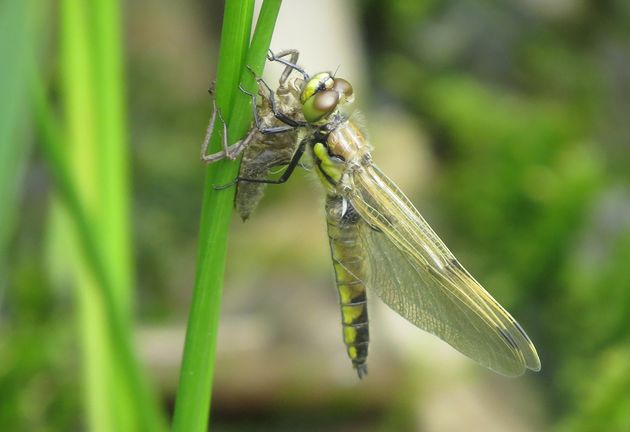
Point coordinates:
[(350, 268)]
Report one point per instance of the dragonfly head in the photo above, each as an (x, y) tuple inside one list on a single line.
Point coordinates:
[(323, 94)]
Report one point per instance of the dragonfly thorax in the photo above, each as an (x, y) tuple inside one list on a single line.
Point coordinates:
[(347, 142), (342, 149)]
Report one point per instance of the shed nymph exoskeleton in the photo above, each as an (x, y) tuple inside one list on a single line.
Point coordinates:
[(270, 143)]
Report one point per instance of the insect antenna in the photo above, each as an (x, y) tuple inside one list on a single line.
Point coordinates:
[(336, 70)]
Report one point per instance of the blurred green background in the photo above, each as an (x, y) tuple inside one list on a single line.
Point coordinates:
[(505, 122)]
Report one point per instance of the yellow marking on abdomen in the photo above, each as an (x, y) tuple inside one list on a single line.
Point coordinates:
[(352, 314), (349, 292), (350, 272)]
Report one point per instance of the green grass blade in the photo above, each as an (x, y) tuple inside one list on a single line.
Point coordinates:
[(17, 44), (193, 395), (112, 150), (52, 146), (92, 101), (195, 387), (113, 185), (77, 88)]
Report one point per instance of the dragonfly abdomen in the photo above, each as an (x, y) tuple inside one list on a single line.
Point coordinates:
[(350, 268)]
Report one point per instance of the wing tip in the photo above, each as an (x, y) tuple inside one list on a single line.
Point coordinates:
[(530, 355), (533, 363)]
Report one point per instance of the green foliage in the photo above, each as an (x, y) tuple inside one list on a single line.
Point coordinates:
[(38, 383), (36, 390)]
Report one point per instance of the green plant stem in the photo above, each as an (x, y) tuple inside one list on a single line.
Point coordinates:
[(19, 36), (195, 386), (111, 215), (112, 150), (93, 108), (52, 147)]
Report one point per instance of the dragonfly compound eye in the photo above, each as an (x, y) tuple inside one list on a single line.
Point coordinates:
[(320, 82), (345, 90), (320, 105)]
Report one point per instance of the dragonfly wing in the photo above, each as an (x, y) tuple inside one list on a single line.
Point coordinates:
[(418, 277)]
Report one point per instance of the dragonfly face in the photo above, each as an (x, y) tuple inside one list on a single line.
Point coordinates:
[(380, 243), (322, 95)]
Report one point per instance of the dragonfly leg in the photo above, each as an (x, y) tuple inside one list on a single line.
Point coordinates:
[(290, 65), (257, 119), (228, 151), (225, 186), (295, 159), (209, 131), (259, 125), (270, 96), (233, 151), (293, 163)]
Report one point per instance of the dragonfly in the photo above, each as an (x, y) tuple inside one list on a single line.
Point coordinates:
[(379, 241)]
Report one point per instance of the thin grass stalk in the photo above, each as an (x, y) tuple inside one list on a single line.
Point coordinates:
[(83, 125), (112, 182), (17, 45), (196, 376), (52, 145), (112, 151), (195, 382), (93, 148)]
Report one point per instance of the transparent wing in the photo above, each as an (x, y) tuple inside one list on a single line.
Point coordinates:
[(417, 276)]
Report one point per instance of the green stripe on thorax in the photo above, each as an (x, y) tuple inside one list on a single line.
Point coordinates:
[(328, 169)]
